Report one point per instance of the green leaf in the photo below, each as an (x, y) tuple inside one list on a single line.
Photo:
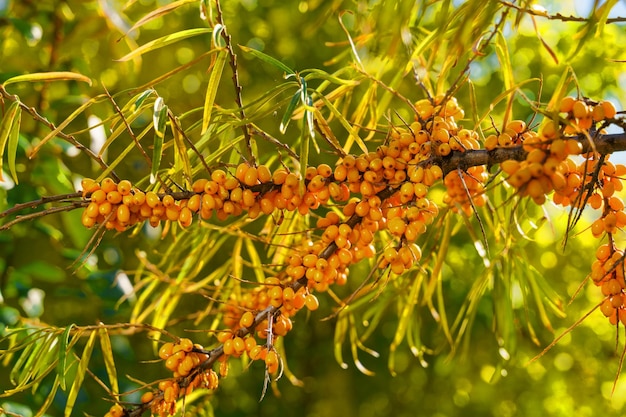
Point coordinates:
[(164, 41), (14, 136), (80, 374), (64, 124), (289, 112), (6, 128), (211, 90), (37, 364), (181, 159), (47, 76), (159, 119), (63, 355), (107, 355), (503, 312), (406, 318), (49, 398), (161, 11), (141, 98), (17, 368), (270, 60), (506, 69), (255, 260), (341, 328)]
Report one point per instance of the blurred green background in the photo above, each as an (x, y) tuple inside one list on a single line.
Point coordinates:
[(37, 280)]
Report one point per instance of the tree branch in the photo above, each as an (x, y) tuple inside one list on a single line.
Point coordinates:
[(603, 144)]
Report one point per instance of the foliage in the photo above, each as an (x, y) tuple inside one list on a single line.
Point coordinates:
[(422, 176)]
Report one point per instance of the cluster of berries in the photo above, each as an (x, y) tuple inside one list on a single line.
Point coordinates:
[(383, 191)]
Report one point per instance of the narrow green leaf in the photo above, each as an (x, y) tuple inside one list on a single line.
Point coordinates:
[(289, 112), (327, 133), (53, 390), (602, 14), (159, 12), (63, 355), (354, 134), (141, 98), (64, 124), (307, 102), (164, 41), (6, 126), (159, 119), (255, 260), (506, 69), (47, 76), (559, 91), (270, 60), (503, 313), (17, 368), (36, 364), (341, 329), (181, 159), (116, 132), (211, 90), (107, 355), (14, 136), (122, 155), (80, 374), (305, 140), (406, 317)]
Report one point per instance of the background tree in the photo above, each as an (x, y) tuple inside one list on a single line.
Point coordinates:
[(173, 96)]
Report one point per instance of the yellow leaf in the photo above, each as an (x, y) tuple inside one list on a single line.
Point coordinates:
[(47, 76)]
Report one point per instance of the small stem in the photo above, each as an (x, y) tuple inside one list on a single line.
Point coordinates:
[(233, 65), (69, 138)]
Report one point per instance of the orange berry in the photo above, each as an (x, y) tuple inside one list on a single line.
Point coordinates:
[(105, 208), (98, 197), (390, 254), (219, 176), (108, 185), (186, 345), (124, 187), (152, 199), (580, 109), (194, 202), (247, 319), (114, 197), (566, 105), (396, 226), (263, 173), (609, 109), (239, 345), (311, 302), (271, 361), (123, 213), (185, 216), (255, 352), (251, 176), (250, 343), (166, 350), (88, 186)]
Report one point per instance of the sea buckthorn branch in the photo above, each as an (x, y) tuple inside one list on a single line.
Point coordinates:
[(539, 11), (238, 88), (604, 144), (389, 189), (69, 138)]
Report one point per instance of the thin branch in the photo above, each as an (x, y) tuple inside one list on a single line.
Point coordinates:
[(233, 65), (604, 145), (69, 138), (128, 127), (557, 16), (31, 216)]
